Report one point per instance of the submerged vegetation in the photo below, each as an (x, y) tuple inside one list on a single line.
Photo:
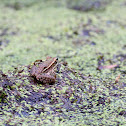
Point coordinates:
[(90, 85)]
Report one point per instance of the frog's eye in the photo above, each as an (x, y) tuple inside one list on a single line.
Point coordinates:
[(56, 60), (44, 67)]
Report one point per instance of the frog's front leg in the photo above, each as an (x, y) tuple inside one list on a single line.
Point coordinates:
[(33, 71)]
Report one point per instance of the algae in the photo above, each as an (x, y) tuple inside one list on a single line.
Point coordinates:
[(83, 40)]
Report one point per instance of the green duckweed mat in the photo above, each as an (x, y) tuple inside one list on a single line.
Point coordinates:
[(90, 88)]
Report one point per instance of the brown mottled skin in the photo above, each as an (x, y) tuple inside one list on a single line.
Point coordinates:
[(44, 71)]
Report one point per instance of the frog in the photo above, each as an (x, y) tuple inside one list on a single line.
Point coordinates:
[(44, 71)]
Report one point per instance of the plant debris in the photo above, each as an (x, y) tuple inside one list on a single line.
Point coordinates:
[(117, 79), (107, 67)]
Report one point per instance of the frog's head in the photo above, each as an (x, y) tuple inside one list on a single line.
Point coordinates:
[(49, 64)]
